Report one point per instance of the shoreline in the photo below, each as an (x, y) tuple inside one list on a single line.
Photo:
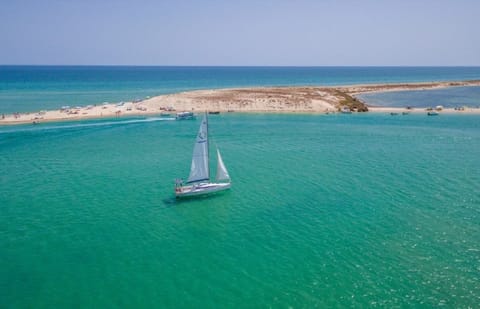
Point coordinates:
[(286, 99)]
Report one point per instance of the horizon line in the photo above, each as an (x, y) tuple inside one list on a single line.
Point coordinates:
[(239, 66)]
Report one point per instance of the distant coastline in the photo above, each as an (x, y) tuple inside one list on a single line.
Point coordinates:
[(294, 99)]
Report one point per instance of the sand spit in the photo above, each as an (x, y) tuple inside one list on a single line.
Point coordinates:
[(262, 99)]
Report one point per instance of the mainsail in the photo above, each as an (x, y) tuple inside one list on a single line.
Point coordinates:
[(199, 171), (222, 173)]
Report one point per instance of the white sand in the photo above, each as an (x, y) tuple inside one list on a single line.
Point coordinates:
[(273, 99)]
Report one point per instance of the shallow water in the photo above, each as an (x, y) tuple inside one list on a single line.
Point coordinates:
[(325, 210), (447, 97)]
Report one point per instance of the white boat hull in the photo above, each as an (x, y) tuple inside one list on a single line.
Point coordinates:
[(200, 189)]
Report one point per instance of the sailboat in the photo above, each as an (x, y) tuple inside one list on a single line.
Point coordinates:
[(198, 182)]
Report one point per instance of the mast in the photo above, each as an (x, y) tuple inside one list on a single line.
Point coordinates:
[(208, 148)]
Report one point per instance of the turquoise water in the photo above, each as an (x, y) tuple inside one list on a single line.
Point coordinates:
[(325, 210), (447, 97), (34, 88)]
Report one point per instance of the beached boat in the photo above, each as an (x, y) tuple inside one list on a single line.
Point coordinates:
[(185, 116), (345, 110), (432, 113), (198, 182)]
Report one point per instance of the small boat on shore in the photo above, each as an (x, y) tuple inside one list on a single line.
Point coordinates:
[(432, 113), (198, 182), (214, 113), (393, 114), (184, 116)]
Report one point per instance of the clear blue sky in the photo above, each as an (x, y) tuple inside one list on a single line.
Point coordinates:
[(211, 32)]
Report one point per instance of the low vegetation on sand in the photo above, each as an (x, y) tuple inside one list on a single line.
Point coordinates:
[(351, 102)]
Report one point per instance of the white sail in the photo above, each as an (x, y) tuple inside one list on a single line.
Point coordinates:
[(199, 171), (222, 173)]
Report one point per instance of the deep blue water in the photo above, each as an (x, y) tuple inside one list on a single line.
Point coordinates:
[(32, 88)]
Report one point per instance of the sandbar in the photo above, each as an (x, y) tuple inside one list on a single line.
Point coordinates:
[(298, 99)]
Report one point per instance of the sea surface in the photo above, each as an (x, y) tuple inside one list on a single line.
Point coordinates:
[(34, 88), (447, 97), (325, 210)]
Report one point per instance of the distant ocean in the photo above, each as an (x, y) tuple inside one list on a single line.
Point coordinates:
[(33, 88)]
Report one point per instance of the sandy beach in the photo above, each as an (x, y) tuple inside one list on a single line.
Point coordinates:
[(262, 99)]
